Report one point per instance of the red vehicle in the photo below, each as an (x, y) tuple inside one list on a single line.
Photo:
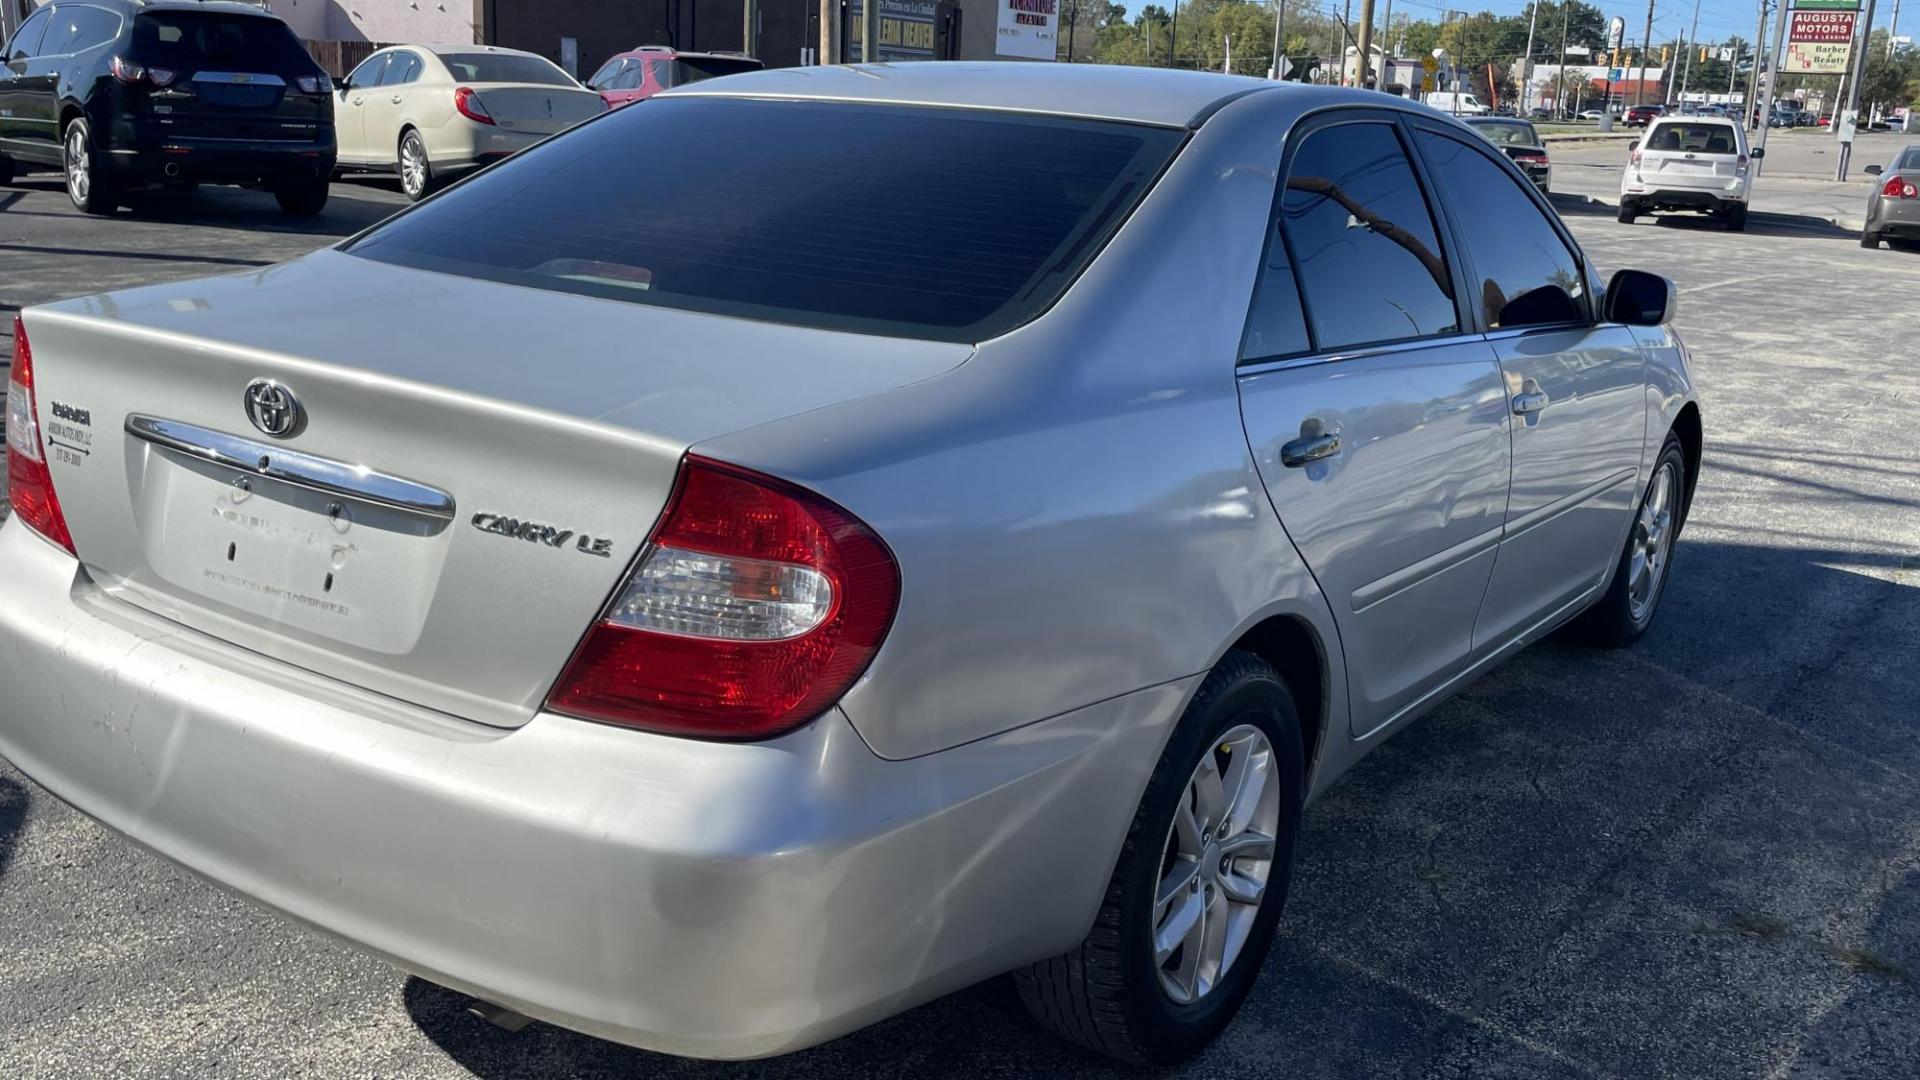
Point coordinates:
[(649, 69), (1642, 115)]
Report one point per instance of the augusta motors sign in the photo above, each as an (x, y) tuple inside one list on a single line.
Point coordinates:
[(1818, 41)]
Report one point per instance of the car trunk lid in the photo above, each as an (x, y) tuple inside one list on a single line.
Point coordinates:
[(470, 469), (534, 109), (227, 75)]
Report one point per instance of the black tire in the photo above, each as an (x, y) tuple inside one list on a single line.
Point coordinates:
[(415, 185), (1106, 995), (1870, 240), (303, 199), (1611, 623), (89, 187), (1627, 211), (6, 170), (1737, 218)]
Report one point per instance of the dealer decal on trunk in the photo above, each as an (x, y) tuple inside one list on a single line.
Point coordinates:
[(70, 433)]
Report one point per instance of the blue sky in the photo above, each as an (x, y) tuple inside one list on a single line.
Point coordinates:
[(1718, 18)]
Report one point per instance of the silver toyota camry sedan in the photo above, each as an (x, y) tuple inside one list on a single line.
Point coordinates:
[(950, 523)]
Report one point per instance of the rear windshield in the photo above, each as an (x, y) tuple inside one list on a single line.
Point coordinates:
[(1507, 132), (947, 224), (688, 69), (1910, 159), (215, 41), (1698, 138), (494, 67)]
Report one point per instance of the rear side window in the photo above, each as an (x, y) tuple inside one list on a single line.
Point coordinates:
[(630, 77), (1910, 159), (217, 41), (505, 68), (1363, 240), (1527, 276), (948, 224), (405, 68), (1692, 137)]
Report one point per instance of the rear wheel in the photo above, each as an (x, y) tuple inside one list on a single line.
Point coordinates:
[(416, 172), (87, 183), (1870, 239), (1737, 218), (1627, 211), (1199, 885), (304, 198)]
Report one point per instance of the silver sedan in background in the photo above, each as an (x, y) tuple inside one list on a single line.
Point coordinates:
[(951, 523), (1893, 206)]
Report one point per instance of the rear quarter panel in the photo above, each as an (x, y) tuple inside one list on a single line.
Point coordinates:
[(1075, 510)]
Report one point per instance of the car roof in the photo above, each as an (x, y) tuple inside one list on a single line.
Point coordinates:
[(226, 7), (1159, 96), (443, 50)]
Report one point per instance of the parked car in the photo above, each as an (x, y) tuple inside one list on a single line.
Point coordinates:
[(1540, 112), (1689, 164), (644, 72), (1519, 141), (1642, 115), (630, 596), (430, 113), (1595, 114), (1460, 104), (126, 94), (1893, 206)]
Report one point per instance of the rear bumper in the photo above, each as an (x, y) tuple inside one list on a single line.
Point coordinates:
[(706, 899), (1666, 196), (223, 161), (1896, 217)]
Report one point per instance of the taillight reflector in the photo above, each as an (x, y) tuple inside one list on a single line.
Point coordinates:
[(470, 106), (754, 606), (1899, 187), (30, 486)]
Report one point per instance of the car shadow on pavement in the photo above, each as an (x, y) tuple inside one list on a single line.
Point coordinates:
[(230, 208), (1711, 831), (13, 816)]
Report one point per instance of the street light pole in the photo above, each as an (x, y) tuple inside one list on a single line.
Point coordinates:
[(1386, 46), (1560, 92), (1686, 71), (1773, 84), (1526, 62), (1279, 17), (1852, 104), (1363, 46), (1753, 81)]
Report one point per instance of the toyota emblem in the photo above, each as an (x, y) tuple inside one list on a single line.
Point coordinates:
[(273, 408)]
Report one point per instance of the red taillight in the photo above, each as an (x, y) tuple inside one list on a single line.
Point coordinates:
[(1899, 187), (129, 72), (755, 605), (1531, 159), (30, 485), (470, 106), (1633, 157)]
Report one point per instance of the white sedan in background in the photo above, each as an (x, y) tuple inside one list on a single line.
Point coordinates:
[(432, 112)]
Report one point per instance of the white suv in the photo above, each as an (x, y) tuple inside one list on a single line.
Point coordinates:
[(1689, 163)]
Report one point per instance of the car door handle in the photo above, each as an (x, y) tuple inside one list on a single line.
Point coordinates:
[(1308, 449), (356, 101), (395, 99), (1526, 404)]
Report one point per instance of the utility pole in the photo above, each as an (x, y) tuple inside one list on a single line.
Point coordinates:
[(1753, 81), (749, 24), (1386, 46), (1173, 37), (830, 25), (869, 31), (1363, 48), (1852, 102), (1279, 18), (1560, 92), (1893, 28), (1693, 46), (1346, 24), (1646, 43), (1526, 62)]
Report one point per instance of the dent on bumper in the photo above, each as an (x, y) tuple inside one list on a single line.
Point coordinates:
[(714, 900)]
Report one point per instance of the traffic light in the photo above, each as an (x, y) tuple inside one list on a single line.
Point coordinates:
[(1703, 54), (1664, 50)]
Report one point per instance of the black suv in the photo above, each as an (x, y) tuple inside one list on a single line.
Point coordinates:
[(129, 93)]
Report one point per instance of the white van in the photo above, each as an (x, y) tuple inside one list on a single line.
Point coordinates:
[(1697, 163), (1457, 104)]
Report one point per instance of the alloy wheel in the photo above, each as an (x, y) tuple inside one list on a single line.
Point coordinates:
[(1652, 543), (79, 165), (413, 165), (1215, 864)]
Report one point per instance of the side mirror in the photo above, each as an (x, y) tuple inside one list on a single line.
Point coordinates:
[(1637, 298), (1758, 153), (1873, 170)]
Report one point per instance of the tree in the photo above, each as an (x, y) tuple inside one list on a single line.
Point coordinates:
[(1892, 78)]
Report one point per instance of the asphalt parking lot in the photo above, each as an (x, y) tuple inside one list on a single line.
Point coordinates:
[(1696, 858)]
